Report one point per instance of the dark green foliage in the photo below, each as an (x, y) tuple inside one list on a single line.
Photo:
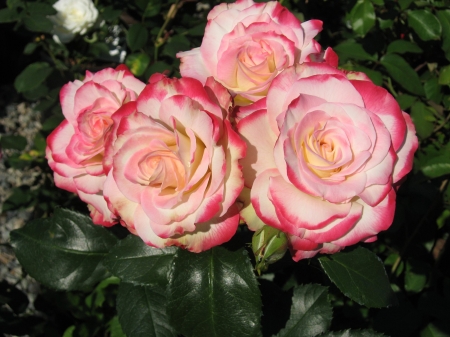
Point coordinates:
[(217, 288), (402, 45), (65, 251)]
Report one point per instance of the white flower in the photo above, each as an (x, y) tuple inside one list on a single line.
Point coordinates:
[(72, 17)]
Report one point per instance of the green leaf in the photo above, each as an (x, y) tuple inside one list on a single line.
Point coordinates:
[(437, 166), (158, 67), (110, 14), (440, 221), (32, 76), (444, 19), (176, 44), (360, 275), (137, 63), (374, 75), (444, 76), (137, 36), (402, 46), (404, 4), (425, 24), (69, 331), (52, 122), (36, 93), (38, 23), (65, 251), (198, 30), (435, 330), (351, 49), (30, 48), (405, 101), (142, 311), (39, 8), (402, 73), (13, 142), (362, 17), (8, 15), (353, 333), (378, 2), (153, 8), (114, 328), (385, 24), (135, 262), (214, 293), (311, 312), (433, 90), (421, 116), (416, 275)]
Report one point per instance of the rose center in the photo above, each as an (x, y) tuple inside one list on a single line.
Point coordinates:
[(162, 169), (258, 54)]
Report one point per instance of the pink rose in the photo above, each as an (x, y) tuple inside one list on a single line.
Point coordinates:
[(175, 175), (75, 148), (326, 171), (246, 45)]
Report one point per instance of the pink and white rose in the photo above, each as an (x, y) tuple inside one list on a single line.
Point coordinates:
[(175, 175), (75, 149), (247, 44), (335, 148)]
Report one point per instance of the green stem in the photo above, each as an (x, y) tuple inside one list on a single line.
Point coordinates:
[(170, 15), (52, 56)]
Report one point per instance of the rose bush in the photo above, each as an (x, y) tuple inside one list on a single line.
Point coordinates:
[(72, 17), (335, 148), (75, 149), (247, 44), (174, 175)]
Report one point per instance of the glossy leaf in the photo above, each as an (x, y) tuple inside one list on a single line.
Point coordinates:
[(402, 46), (353, 333), (142, 311), (137, 63), (13, 142), (135, 262), (360, 275), (437, 166), (416, 275), (137, 36), (425, 24), (433, 90), (64, 251), (32, 76), (444, 19), (8, 15), (405, 101), (38, 23), (404, 4), (436, 329), (422, 115), (362, 17), (402, 73), (214, 293), (311, 312), (351, 49), (444, 76)]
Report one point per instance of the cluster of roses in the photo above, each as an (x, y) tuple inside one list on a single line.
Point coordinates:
[(262, 127)]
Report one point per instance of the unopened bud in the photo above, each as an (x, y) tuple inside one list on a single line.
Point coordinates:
[(269, 245)]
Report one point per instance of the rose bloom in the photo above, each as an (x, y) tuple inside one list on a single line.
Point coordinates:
[(335, 149), (175, 174), (75, 149), (247, 44), (72, 17)]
